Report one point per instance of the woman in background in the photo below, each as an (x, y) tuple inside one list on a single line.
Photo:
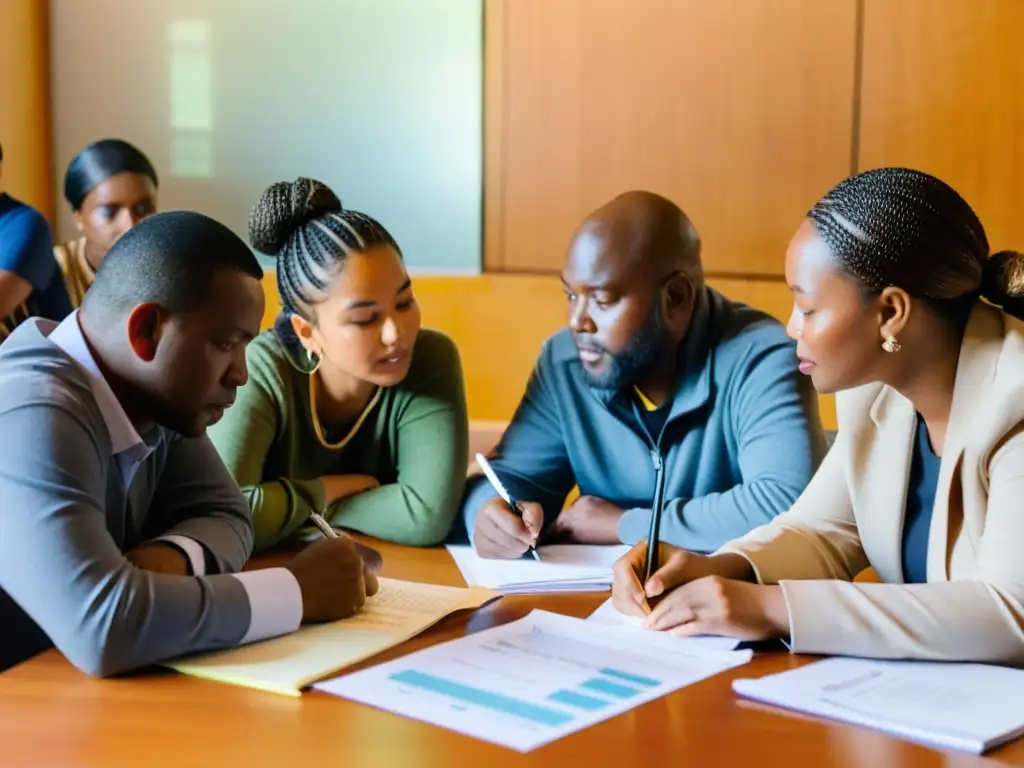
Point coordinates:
[(351, 408), (111, 186), (926, 477)]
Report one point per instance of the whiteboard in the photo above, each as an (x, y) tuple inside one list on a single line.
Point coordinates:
[(380, 99)]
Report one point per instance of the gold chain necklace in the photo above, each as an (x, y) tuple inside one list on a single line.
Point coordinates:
[(318, 428)]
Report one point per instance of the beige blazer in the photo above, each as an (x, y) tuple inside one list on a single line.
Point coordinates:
[(851, 516)]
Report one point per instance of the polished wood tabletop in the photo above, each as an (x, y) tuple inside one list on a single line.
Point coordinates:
[(51, 714)]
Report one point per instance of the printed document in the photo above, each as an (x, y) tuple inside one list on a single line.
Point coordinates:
[(968, 707), (534, 680)]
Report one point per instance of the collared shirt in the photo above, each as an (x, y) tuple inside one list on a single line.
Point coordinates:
[(130, 448)]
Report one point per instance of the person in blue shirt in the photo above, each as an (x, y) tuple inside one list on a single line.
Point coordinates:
[(30, 281), (659, 387)]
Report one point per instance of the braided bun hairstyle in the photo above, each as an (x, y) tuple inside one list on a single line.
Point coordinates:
[(303, 224), (905, 228)]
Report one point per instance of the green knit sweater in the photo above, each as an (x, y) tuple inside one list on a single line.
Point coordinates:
[(415, 441)]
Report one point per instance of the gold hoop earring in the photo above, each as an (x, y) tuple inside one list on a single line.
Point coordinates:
[(314, 361), (891, 346)]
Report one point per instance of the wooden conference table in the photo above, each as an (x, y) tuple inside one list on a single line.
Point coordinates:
[(51, 714)]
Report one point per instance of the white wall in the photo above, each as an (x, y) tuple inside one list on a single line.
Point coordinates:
[(380, 99)]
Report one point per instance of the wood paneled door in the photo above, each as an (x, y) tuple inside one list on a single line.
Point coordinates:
[(739, 110)]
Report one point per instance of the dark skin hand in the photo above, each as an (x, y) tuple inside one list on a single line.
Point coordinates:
[(694, 594), (333, 578), (589, 520), (501, 534)]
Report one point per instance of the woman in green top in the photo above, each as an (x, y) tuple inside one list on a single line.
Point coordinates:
[(350, 408)]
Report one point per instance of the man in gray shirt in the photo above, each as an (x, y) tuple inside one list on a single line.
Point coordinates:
[(121, 532)]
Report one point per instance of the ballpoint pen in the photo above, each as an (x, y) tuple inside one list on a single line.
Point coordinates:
[(514, 505), (323, 525)]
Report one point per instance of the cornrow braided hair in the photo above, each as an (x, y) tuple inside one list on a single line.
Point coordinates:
[(303, 224), (905, 228)]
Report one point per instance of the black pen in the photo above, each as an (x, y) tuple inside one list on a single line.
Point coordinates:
[(651, 566)]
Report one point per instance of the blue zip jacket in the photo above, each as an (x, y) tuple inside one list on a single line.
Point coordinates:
[(741, 440)]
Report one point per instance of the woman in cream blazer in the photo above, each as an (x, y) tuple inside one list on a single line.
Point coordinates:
[(925, 482)]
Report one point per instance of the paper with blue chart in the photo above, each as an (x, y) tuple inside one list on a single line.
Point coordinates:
[(534, 680)]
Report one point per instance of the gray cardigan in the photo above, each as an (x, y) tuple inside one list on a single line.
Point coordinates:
[(66, 517)]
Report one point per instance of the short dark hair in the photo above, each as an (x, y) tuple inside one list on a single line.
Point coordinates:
[(98, 162), (303, 224), (169, 259), (905, 228)]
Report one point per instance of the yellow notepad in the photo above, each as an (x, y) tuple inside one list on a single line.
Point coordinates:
[(285, 665)]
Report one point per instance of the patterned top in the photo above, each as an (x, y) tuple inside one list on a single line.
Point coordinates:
[(78, 273)]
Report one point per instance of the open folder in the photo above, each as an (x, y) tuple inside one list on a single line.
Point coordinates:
[(561, 568), (968, 707), (287, 664)]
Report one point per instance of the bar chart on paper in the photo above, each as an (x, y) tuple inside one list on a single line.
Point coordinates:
[(535, 680)]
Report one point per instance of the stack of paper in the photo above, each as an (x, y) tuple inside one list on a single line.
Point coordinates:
[(287, 664), (968, 707), (608, 615), (561, 568), (534, 680)]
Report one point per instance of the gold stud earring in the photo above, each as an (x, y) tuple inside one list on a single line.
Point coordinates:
[(314, 361), (891, 346)]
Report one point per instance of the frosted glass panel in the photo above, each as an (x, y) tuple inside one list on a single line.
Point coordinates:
[(381, 99)]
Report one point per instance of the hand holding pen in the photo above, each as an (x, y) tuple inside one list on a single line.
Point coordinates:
[(506, 528), (333, 579)]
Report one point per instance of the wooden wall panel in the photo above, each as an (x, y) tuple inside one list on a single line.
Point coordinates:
[(25, 102), (943, 91), (739, 110)]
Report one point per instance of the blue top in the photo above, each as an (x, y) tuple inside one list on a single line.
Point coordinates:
[(917, 516), (740, 440), (26, 249)]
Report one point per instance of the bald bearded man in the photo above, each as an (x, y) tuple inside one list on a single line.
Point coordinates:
[(655, 370)]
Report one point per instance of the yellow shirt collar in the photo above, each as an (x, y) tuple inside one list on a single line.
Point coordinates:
[(644, 400)]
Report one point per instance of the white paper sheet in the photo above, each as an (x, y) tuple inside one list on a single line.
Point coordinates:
[(607, 615), (561, 568), (969, 707), (534, 680)]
